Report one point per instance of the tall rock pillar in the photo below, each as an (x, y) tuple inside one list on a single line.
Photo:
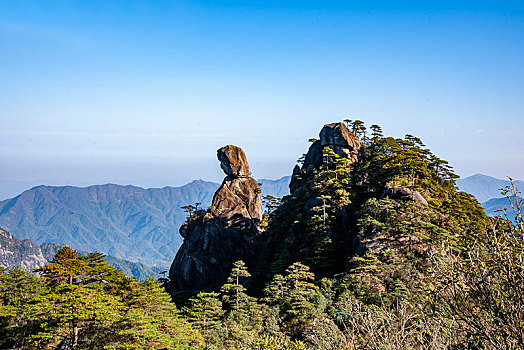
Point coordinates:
[(223, 234)]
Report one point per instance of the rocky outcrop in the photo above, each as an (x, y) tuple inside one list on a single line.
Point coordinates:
[(238, 200), (335, 136), (233, 161), (223, 234), (405, 194), (14, 252)]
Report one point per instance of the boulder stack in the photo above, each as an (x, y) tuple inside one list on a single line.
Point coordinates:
[(223, 234), (238, 200)]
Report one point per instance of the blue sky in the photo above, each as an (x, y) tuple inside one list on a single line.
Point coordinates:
[(145, 92)]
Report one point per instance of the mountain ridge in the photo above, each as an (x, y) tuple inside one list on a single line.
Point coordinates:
[(485, 187), (129, 222)]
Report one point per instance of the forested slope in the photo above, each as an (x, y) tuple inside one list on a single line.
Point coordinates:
[(374, 248)]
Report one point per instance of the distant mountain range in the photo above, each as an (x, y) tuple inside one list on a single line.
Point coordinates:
[(485, 187), (277, 188), (496, 206), (487, 190), (141, 225), (127, 222)]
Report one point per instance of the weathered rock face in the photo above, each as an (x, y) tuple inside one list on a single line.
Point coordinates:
[(335, 136), (233, 161), (14, 252), (213, 240), (238, 201), (404, 193)]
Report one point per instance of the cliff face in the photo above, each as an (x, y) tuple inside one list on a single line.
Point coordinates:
[(213, 240), (14, 252)]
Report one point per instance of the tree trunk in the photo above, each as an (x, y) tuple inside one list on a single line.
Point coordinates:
[(75, 333)]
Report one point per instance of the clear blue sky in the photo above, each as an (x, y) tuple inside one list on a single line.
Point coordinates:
[(145, 92)]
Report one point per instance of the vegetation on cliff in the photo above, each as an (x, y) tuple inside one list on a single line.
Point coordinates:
[(374, 248)]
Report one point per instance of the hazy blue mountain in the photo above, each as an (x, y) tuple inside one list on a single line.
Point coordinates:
[(126, 222), (495, 206), (277, 188), (135, 269), (485, 187)]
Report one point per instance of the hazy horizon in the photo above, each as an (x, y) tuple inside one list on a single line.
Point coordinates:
[(144, 93), (10, 189)]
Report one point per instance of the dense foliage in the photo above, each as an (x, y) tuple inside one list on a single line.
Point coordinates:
[(345, 268), (84, 303)]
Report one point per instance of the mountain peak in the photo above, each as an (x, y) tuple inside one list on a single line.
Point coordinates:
[(485, 187)]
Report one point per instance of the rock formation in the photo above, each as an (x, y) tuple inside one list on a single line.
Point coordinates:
[(238, 200), (335, 136), (14, 252), (223, 234), (405, 194), (233, 161)]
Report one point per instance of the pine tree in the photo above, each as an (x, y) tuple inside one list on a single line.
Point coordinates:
[(233, 290), (19, 290), (204, 311), (376, 132), (293, 294), (276, 290), (65, 268), (71, 301), (149, 320), (98, 272)]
